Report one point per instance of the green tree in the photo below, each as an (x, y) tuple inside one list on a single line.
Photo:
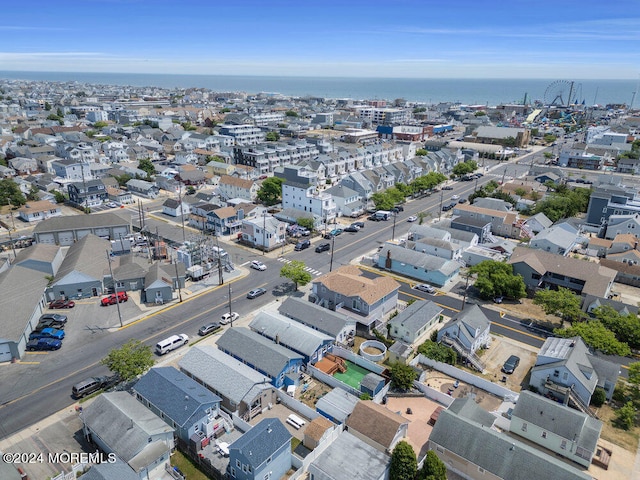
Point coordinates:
[(147, 166), (464, 168), (634, 374), (564, 203), (521, 192), (625, 416), (382, 201), (421, 152), (595, 335), (625, 327), (130, 360), (497, 279), (562, 302), (47, 106), (214, 158), (441, 353), (291, 113), (123, 179), (272, 136), (402, 376), (32, 196), (599, 397), (59, 196), (305, 222), (404, 464), (10, 193), (548, 138), (225, 110), (295, 271), (433, 468), (100, 124), (270, 191)]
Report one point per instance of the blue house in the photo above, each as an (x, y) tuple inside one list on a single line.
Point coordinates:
[(261, 354), (421, 266), (264, 452), (180, 401)]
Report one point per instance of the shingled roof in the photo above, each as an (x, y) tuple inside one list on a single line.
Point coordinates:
[(349, 281)]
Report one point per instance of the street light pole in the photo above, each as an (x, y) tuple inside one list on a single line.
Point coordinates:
[(220, 277), (230, 313), (115, 288), (264, 232), (333, 242), (440, 210), (393, 230), (464, 298)]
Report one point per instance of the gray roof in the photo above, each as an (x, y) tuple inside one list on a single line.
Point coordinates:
[(350, 457), (427, 231), (109, 471), (620, 307), (125, 425), (471, 221), (315, 316), (573, 354), (371, 381), (76, 222), (470, 320), (558, 235), (256, 350), (179, 397), (229, 377), (542, 220), (87, 257), (290, 333), (22, 288), (420, 260), (416, 315), (341, 191), (501, 455), (493, 204), (559, 419), (262, 441), (338, 403)]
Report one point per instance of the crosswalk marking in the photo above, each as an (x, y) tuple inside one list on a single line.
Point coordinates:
[(307, 269)]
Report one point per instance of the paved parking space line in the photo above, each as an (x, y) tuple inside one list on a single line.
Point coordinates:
[(37, 353)]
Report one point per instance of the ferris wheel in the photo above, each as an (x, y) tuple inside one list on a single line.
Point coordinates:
[(562, 93)]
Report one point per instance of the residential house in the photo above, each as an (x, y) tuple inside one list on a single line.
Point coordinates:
[(317, 432), (621, 224), (438, 248), (117, 423), (261, 354), (415, 264), (466, 333), (566, 369), (337, 405), (175, 208), (265, 233), (119, 196), (493, 204), (348, 202), (88, 193), (235, 187), (306, 341), (262, 453), (300, 192), (547, 270), (565, 431), (108, 471), (465, 426), (161, 281), (625, 272), (143, 188), (129, 270), (223, 221), (40, 210), (414, 323), (242, 389), (347, 289), (192, 176), (504, 224), (538, 222), (81, 272), (622, 243), (611, 200), (180, 401), (341, 328), (590, 303), (377, 426), (357, 182), (478, 226), (71, 169), (198, 213), (560, 239), (66, 230), (24, 165), (348, 453)]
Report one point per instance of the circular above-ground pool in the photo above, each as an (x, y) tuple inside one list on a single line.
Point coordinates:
[(373, 350)]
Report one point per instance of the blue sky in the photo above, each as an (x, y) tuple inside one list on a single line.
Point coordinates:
[(354, 38)]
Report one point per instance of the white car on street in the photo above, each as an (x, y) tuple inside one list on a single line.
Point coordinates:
[(412, 218), (229, 317), (255, 264), (423, 287), (455, 197)]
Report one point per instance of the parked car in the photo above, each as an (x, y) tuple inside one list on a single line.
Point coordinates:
[(171, 343), (53, 317), (423, 287), (351, 229), (358, 224), (302, 245), (47, 333), (412, 218), (511, 364), (455, 197), (498, 299), (113, 298), (111, 204), (208, 328), (355, 226), (373, 218), (333, 233), (446, 208), (323, 247), (62, 303), (256, 292), (257, 265), (49, 323), (229, 317), (462, 200), (447, 187), (43, 344)]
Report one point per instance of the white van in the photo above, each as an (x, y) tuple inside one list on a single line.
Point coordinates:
[(171, 343)]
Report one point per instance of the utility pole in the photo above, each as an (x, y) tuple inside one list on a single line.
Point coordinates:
[(393, 230), (466, 286), (178, 280), (333, 242), (115, 288), (264, 232), (440, 210), (220, 277), (230, 312), (181, 212), (503, 175)]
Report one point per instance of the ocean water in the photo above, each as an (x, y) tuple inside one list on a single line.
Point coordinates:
[(466, 91)]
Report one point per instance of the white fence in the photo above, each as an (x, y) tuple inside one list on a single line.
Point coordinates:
[(466, 377), (358, 360), (331, 381), (73, 474), (297, 406)]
